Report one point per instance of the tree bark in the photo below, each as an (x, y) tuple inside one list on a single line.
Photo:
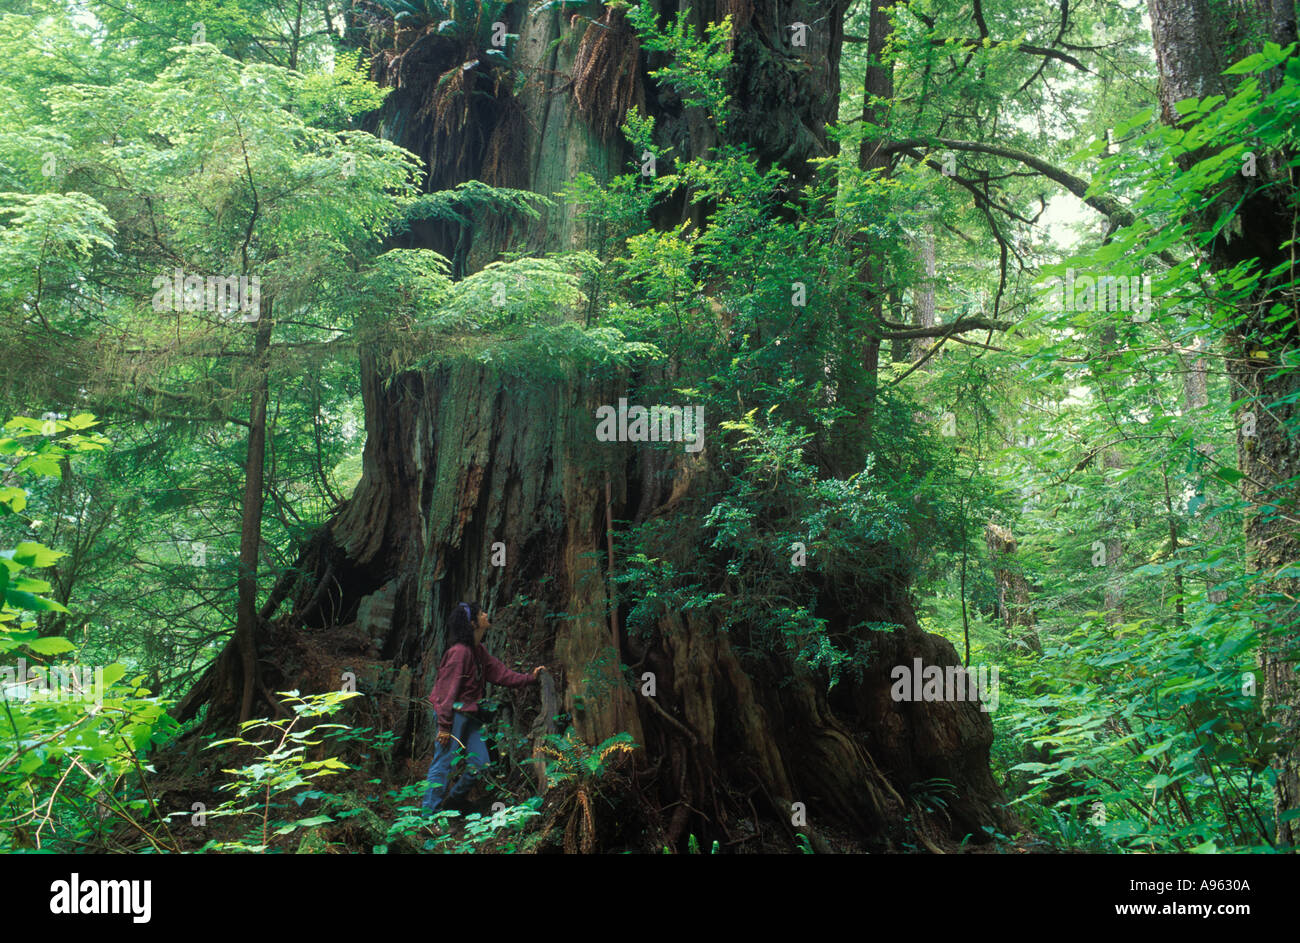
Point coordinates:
[(1014, 593), (924, 294), (250, 536), (877, 93)]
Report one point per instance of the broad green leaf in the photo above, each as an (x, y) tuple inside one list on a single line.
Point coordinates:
[(51, 645), (30, 602)]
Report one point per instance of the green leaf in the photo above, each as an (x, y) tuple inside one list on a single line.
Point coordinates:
[(36, 555), (41, 465), (15, 499), (51, 645), (22, 600), (303, 823), (113, 673)]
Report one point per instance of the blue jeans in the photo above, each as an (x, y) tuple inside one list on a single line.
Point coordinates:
[(465, 728)]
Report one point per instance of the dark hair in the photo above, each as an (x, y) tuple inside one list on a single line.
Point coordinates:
[(460, 625)]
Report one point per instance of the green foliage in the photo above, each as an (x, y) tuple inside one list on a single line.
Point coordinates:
[(573, 760), (282, 768), (779, 522), (693, 846), (474, 199), (61, 229), (72, 769), (497, 831), (695, 68), (847, 461), (932, 795), (1155, 722), (37, 447), (576, 772), (143, 36), (1140, 721), (223, 167), (333, 99), (61, 719)]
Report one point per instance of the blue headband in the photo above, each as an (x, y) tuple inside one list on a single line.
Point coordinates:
[(468, 614)]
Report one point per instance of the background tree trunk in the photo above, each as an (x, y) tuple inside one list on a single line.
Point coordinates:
[(877, 93), (924, 294), (1014, 600)]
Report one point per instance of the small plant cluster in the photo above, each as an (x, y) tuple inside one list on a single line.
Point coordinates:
[(283, 767), (576, 773)]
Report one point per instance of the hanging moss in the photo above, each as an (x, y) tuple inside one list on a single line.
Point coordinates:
[(606, 82)]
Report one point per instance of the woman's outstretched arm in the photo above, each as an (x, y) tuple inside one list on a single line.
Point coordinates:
[(498, 673)]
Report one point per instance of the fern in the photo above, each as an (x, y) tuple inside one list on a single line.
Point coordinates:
[(576, 770)]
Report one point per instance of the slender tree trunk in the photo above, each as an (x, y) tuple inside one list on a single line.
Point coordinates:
[(924, 294), (1196, 397), (877, 94), (250, 536), (1111, 536), (1113, 601), (1172, 517), (900, 348)]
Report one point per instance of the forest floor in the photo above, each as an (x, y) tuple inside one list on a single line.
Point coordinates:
[(377, 810)]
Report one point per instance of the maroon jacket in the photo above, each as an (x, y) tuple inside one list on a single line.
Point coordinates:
[(461, 676)]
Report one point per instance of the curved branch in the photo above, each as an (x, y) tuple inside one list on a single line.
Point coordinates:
[(1045, 51), (944, 330), (1103, 204)]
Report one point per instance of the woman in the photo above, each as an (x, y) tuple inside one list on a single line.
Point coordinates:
[(465, 666)]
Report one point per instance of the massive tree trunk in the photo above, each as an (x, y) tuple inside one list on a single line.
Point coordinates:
[(1195, 41), (734, 744)]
